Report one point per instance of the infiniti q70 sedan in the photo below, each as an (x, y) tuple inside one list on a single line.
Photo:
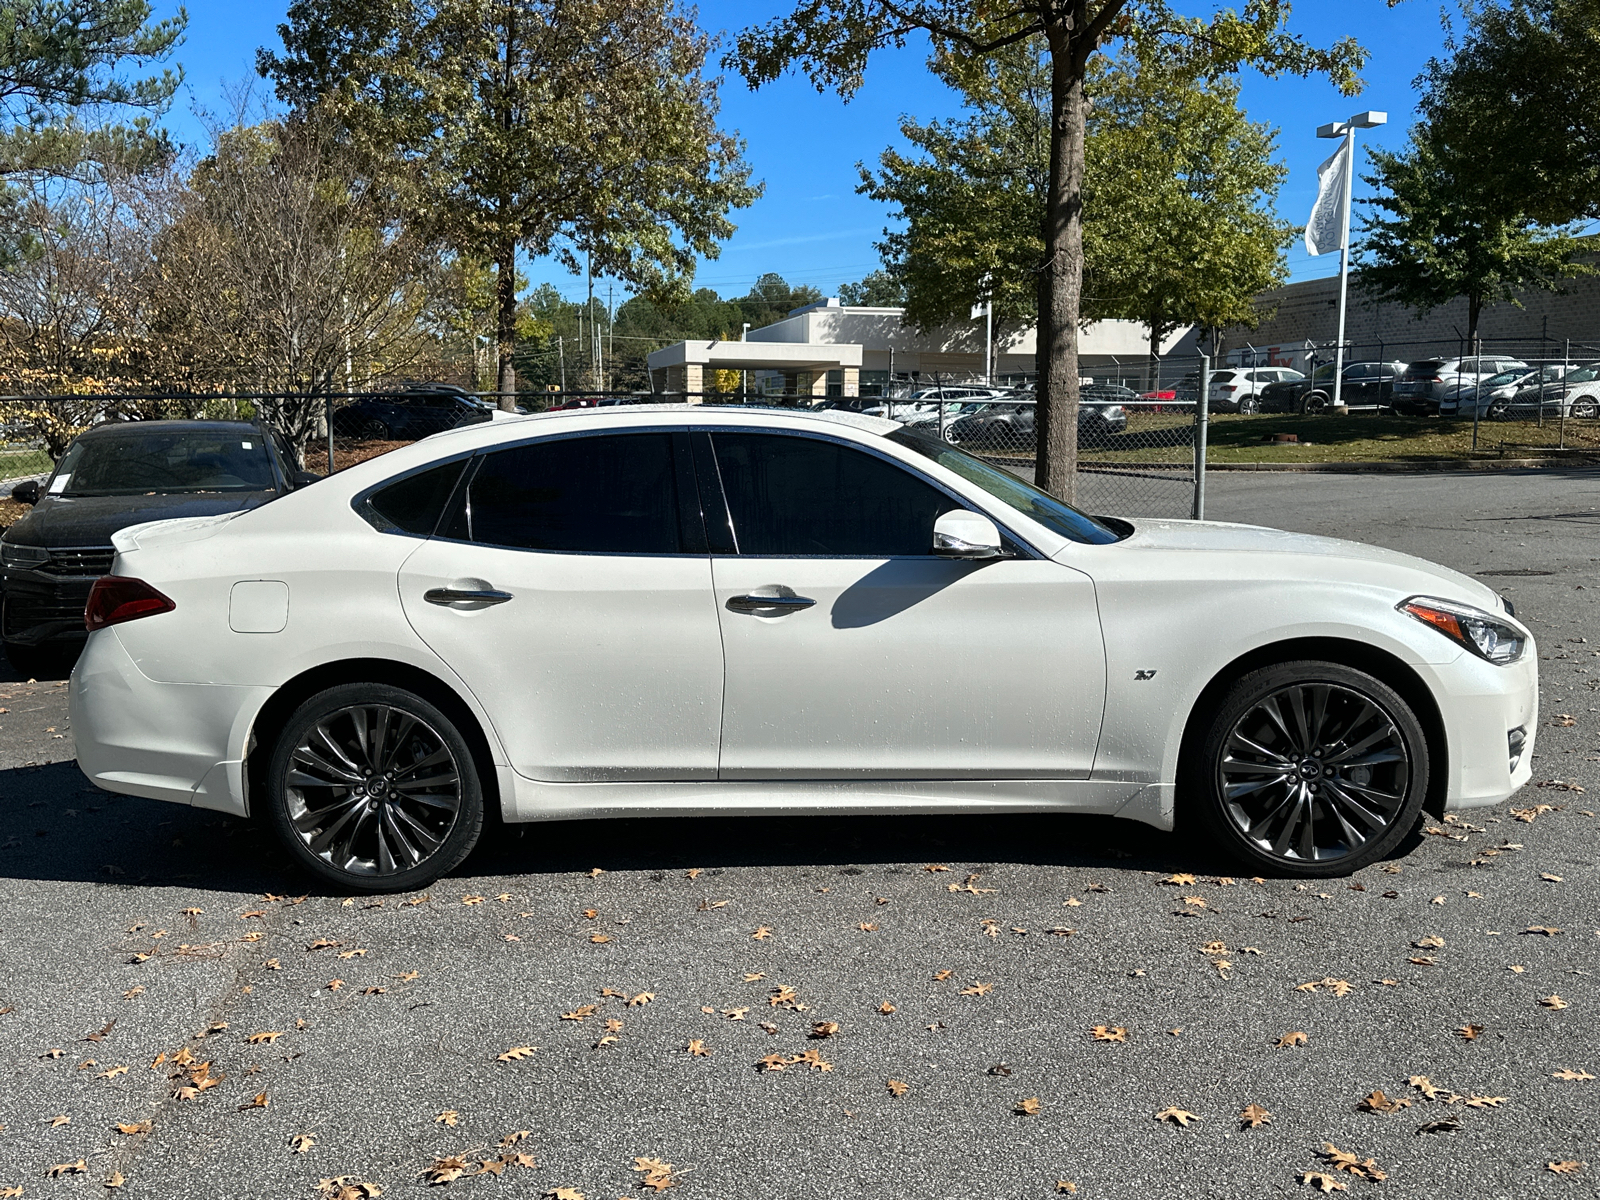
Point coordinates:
[(689, 610)]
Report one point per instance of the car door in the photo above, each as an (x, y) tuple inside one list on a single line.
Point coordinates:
[(570, 588), (852, 651)]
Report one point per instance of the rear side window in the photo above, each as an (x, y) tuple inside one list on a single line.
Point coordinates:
[(613, 494), (797, 496), (413, 504)]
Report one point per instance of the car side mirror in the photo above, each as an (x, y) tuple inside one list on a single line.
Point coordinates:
[(26, 492), (305, 478), (969, 535)]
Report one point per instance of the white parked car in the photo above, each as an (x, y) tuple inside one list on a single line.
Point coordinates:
[(1426, 382), (670, 609), (1238, 389), (1491, 397)]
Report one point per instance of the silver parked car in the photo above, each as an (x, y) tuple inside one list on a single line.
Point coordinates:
[(1492, 397), (1427, 381), (1576, 394)]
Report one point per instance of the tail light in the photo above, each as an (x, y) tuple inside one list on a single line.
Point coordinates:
[(118, 598)]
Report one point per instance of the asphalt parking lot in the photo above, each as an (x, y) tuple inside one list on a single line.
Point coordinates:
[(828, 1007)]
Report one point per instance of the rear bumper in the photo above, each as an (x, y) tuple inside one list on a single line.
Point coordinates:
[(183, 742)]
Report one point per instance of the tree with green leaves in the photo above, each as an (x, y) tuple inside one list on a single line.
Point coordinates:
[(879, 289), (63, 68), (1445, 228), (584, 129), (831, 40), (1178, 183), (1520, 87)]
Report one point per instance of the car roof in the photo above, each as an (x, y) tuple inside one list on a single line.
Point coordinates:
[(112, 428)]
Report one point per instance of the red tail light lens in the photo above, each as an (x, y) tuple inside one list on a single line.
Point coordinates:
[(117, 598)]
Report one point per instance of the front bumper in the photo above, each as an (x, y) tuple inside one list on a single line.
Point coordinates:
[(1480, 704), (183, 742), (37, 607)]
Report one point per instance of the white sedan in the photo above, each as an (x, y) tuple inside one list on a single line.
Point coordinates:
[(673, 609)]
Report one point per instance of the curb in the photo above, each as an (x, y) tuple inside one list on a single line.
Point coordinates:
[(1467, 465)]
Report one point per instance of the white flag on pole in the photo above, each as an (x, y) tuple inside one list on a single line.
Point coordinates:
[(1326, 229)]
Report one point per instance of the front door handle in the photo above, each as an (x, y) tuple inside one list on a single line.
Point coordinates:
[(769, 606), (465, 596)]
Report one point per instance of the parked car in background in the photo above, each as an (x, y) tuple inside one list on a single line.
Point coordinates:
[(1491, 397), (1362, 384), (1106, 393), (1236, 389), (409, 412), (1425, 383), (1575, 394), (112, 476), (1011, 425)]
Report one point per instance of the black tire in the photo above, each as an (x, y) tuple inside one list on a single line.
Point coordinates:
[(383, 837), (1249, 405), (1582, 410), (39, 662), (1279, 792), (1313, 403), (374, 431)]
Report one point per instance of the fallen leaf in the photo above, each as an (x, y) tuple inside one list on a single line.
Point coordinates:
[(599, 939), (132, 1128), (347, 1187), (824, 1029), (1177, 1116), (255, 1039), (886, 1008), (1253, 1116), (1067, 1186), (448, 1117), (1028, 1107), (1569, 1074), (1485, 1101), (116, 1179), (1322, 1181), (1109, 1033), (1379, 1103), (579, 1013), (112, 1073), (736, 1014), (1297, 1038), (1565, 1167), (1542, 930), (761, 934), (517, 1053), (1553, 1001), (698, 1049), (301, 1143), (897, 1088), (867, 927), (58, 1122), (71, 1168), (258, 1101), (640, 1000), (1426, 1086), (1467, 1033), (1431, 942), (978, 989), (1448, 1125), (470, 900), (1549, 878), (445, 1170), (1343, 1160)]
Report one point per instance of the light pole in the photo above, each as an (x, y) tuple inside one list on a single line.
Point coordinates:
[(1347, 131)]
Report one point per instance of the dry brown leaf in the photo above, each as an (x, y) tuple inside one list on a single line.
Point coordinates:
[(886, 1008), (348, 1187), (599, 939), (978, 989), (1067, 1186), (1177, 1116), (69, 1168), (1542, 930), (761, 934), (116, 1179), (1322, 1181), (1379, 1103), (1552, 1001), (1180, 880), (641, 999), (1431, 942), (134, 1127), (259, 1100), (516, 1053), (1569, 1074), (1485, 1101), (941, 976), (824, 1029), (449, 1116), (1426, 1086), (1468, 1033), (1253, 1116), (1028, 1107), (1109, 1033), (1565, 1167), (445, 1170), (255, 1039), (579, 1013), (301, 1143), (898, 1088), (57, 1122), (1343, 1160), (1295, 1038), (698, 1048), (112, 1072)]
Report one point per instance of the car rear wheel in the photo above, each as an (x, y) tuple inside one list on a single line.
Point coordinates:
[(1314, 402), (375, 431), (373, 788), (1583, 409), (1249, 404), (1311, 769)]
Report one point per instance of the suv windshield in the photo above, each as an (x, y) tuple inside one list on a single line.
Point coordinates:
[(134, 461), (1008, 489)]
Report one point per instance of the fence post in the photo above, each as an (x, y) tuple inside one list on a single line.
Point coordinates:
[(327, 412), (1202, 419)]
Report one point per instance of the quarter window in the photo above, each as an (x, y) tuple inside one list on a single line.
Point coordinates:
[(600, 495), (796, 496), (413, 504)]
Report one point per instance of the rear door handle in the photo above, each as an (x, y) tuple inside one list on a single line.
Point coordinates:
[(465, 596), (771, 606)]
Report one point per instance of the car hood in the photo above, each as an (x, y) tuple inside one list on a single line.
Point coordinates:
[(91, 520), (1403, 570)]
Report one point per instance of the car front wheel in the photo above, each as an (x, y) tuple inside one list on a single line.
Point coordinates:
[(1310, 769), (373, 788), (1583, 410)]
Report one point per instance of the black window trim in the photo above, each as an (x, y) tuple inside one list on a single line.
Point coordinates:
[(690, 519), (719, 501)]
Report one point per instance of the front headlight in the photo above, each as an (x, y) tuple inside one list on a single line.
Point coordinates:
[(23, 557), (1484, 634)]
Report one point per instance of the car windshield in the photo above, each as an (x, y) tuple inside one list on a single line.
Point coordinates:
[(1008, 489), (133, 461), (1505, 377), (1584, 374)]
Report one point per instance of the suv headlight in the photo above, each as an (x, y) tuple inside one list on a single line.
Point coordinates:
[(24, 557), (1486, 635)]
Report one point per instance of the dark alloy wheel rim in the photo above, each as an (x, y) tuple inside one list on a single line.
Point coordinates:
[(1314, 772), (373, 790)]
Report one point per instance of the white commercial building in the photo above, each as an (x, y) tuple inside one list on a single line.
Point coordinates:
[(832, 349)]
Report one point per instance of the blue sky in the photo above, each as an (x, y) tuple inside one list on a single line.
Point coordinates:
[(810, 226)]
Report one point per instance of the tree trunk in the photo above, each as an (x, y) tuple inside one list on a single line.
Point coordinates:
[(1057, 470), (505, 294), (1157, 332)]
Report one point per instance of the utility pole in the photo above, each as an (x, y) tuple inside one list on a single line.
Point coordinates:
[(561, 352), (611, 336)]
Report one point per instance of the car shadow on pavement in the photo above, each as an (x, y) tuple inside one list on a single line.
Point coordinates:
[(55, 826)]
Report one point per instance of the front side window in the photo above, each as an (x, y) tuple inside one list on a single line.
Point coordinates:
[(798, 496), (612, 494)]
